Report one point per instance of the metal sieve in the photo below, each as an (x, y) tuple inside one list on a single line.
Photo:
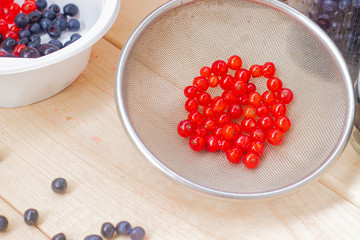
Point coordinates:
[(166, 51)]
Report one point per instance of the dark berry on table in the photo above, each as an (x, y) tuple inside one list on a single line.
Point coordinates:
[(24, 33), (35, 16), (24, 41), (22, 20), (34, 44), (107, 230), (58, 185), (8, 55), (61, 22), (1, 38), (123, 228), (35, 37), (29, 52), (57, 43), (35, 28), (75, 37), (49, 14), (70, 10), (344, 5), (45, 23), (31, 216), (55, 8), (323, 21), (4, 223), (93, 237), (41, 4), (59, 236), (9, 44), (54, 31), (329, 6), (137, 233), (67, 43), (73, 25)]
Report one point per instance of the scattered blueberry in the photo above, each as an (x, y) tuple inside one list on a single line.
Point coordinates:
[(31, 216), (35, 28), (93, 237), (34, 44), (34, 16), (73, 25), (59, 236), (329, 6), (4, 223), (54, 31), (9, 44), (49, 14), (45, 23), (22, 20), (55, 8), (24, 33), (58, 185), (57, 43), (107, 230), (41, 4), (344, 5), (70, 10), (24, 41), (29, 52), (35, 37), (61, 22), (137, 233), (75, 37), (123, 228), (67, 43)]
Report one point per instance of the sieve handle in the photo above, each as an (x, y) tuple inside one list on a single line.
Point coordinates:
[(183, 2)]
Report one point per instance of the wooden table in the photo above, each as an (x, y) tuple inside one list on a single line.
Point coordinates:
[(77, 134)]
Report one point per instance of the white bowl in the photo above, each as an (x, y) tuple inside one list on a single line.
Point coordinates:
[(24, 81)]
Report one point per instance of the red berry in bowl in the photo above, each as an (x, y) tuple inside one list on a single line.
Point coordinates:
[(282, 123), (208, 112), (196, 118), (213, 81), (191, 105), (254, 98), (185, 128), (251, 88), (235, 111), (249, 112), (212, 143), (219, 104), (258, 135), (234, 62), (190, 92), (250, 160), (268, 70), (240, 87), (234, 154), (197, 143), (227, 82), (255, 70), (262, 110), (275, 136), (242, 75), (278, 109), (285, 96), (242, 141), (248, 124), (230, 131), (201, 83), (219, 68), (265, 122), (256, 147), (210, 125), (205, 72), (223, 119), (203, 99), (274, 84), (269, 98)]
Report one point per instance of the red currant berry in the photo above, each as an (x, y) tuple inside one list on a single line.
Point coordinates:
[(191, 105), (196, 118), (248, 124), (254, 98), (28, 7), (185, 128), (285, 96), (229, 97), (234, 154), (265, 122), (282, 123), (2, 53), (269, 98), (213, 81), (258, 135), (275, 136), (14, 8), (18, 48), (234, 62), (201, 83), (9, 18), (268, 70), (257, 148), (251, 88), (242, 75), (242, 100), (15, 29), (208, 112), (235, 111), (274, 84), (190, 92), (255, 70), (4, 27), (249, 112), (223, 119), (205, 72), (201, 131), (230, 131), (197, 143), (203, 98), (240, 87), (250, 160), (224, 144), (227, 82), (242, 141), (210, 125), (237, 127), (212, 143), (262, 110), (11, 34), (278, 109), (219, 68), (217, 132), (218, 104)]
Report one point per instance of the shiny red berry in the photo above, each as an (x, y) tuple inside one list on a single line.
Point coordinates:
[(223, 119), (255, 70), (282, 123), (205, 72), (185, 128), (265, 122), (18, 48), (191, 105), (230, 131), (234, 62), (256, 147), (229, 97), (219, 68), (197, 143), (14, 8), (274, 136), (218, 104), (251, 160), (249, 112), (251, 88), (212, 143), (227, 82), (28, 7), (213, 81), (224, 144), (201, 131), (235, 111), (242, 141), (190, 92), (285, 96), (201, 83), (248, 124), (242, 75), (268, 70), (208, 112), (210, 125), (203, 99), (240, 87), (274, 84), (254, 98), (234, 154), (269, 98), (278, 109), (242, 100), (258, 135), (196, 118), (262, 110)]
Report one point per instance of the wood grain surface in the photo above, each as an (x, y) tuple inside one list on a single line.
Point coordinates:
[(77, 134)]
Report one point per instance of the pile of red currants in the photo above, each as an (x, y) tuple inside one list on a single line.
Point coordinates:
[(241, 120)]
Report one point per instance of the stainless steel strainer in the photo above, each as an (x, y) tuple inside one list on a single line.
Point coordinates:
[(167, 50)]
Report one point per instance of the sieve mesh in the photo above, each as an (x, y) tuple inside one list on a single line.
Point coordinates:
[(170, 53)]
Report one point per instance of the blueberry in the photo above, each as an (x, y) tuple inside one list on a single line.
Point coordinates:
[(70, 10), (107, 230), (73, 25), (34, 16), (45, 23), (57, 43), (22, 20), (1, 38), (137, 233), (75, 37), (61, 22), (34, 44), (93, 237), (54, 31), (31, 216), (344, 5), (55, 8), (123, 228), (323, 21), (8, 55), (59, 236), (24, 41), (24, 33), (9, 44), (41, 4), (4, 223), (35, 37), (58, 185), (29, 52), (329, 6), (35, 28), (356, 3), (49, 14), (67, 43)]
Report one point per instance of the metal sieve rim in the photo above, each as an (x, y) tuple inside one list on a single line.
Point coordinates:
[(302, 19)]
